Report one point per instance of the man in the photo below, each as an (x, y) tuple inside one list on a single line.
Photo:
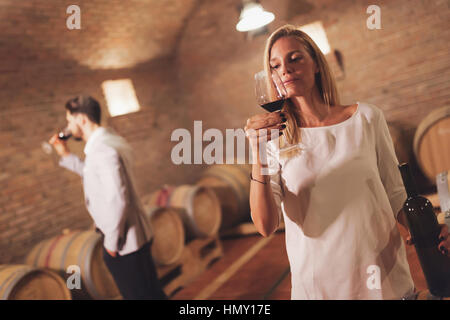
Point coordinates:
[(111, 199)]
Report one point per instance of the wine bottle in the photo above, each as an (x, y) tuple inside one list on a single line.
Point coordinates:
[(425, 229)]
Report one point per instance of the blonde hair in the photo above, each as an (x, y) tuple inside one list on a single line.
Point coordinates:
[(324, 81)]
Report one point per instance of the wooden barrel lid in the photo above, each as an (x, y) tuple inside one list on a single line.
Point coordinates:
[(197, 206), (202, 214), (22, 282), (168, 234), (432, 143)]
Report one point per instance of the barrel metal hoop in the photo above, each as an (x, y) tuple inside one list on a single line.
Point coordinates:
[(169, 194), (66, 249), (51, 248), (190, 207), (38, 253), (159, 197), (164, 194)]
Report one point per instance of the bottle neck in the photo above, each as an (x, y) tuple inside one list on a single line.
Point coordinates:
[(408, 181)]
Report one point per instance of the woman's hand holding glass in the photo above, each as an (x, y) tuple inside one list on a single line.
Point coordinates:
[(262, 128)]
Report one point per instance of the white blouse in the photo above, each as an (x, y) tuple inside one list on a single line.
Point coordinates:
[(339, 199)]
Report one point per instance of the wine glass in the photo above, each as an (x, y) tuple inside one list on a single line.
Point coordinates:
[(270, 100), (263, 90), (64, 134), (442, 184)]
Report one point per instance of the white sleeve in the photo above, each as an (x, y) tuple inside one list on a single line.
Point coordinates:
[(72, 163), (274, 170), (388, 165)]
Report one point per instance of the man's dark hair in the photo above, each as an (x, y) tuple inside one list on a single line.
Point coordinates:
[(86, 105)]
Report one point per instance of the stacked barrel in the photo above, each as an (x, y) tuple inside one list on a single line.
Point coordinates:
[(231, 183), (432, 143), (179, 216), (23, 282), (186, 221), (430, 147), (82, 249)]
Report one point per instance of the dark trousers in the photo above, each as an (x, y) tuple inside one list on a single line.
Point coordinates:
[(135, 274)]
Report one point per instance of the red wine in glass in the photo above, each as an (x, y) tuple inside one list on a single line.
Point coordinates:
[(64, 134), (270, 93), (274, 105)]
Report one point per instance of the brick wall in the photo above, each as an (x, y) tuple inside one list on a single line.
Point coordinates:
[(187, 63), (403, 68), (42, 65)]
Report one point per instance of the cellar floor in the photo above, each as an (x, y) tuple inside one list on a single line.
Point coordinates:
[(257, 268)]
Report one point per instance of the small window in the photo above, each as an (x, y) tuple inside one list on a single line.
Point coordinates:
[(316, 31), (120, 97)]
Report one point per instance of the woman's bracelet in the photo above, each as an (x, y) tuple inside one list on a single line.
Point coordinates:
[(251, 178)]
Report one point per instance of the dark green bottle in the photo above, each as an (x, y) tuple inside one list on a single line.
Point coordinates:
[(425, 229)]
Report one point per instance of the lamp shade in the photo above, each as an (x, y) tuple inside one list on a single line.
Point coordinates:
[(253, 16)]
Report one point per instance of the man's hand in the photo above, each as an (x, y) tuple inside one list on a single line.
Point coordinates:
[(60, 146), (111, 253)]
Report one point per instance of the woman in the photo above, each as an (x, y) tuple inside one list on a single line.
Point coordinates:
[(332, 174)]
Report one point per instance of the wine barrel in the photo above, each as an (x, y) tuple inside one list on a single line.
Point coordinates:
[(201, 214), (168, 234), (402, 149), (22, 282), (231, 183), (432, 143), (82, 249)]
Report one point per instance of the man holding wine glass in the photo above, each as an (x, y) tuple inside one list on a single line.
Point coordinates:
[(111, 198), (331, 172)]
